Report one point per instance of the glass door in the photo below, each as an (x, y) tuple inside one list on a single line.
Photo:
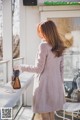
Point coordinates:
[(68, 23)]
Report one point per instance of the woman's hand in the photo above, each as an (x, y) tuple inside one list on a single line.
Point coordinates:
[(17, 67)]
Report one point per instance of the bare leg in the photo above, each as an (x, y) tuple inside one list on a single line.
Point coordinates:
[(45, 116), (52, 116), (37, 116)]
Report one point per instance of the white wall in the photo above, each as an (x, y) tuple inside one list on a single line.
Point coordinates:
[(29, 18), (32, 19)]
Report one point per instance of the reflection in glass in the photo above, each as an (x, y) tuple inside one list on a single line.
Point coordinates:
[(70, 25), (1, 42), (1, 30), (16, 29)]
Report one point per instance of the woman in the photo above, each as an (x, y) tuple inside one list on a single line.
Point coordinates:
[(48, 93)]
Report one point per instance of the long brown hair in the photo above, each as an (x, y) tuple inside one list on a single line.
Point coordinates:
[(50, 33)]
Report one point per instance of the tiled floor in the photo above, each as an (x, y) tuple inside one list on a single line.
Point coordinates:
[(26, 114)]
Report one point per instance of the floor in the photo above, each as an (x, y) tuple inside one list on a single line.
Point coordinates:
[(26, 114)]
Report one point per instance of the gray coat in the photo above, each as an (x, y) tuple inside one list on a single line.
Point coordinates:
[(48, 93)]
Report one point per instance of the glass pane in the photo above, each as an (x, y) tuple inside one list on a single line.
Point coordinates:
[(3, 72), (1, 42), (70, 25), (18, 61), (16, 28), (1, 75), (17, 107), (1, 30)]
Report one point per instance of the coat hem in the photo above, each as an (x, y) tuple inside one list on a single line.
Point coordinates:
[(48, 110)]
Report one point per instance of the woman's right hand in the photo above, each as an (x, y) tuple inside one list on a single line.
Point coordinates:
[(17, 67)]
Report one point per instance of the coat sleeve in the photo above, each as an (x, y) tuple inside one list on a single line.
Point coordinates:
[(62, 69), (39, 61)]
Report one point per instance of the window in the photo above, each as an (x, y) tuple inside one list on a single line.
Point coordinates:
[(67, 20), (1, 42), (1, 30), (16, 28), (70, 25), (16, 32)]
